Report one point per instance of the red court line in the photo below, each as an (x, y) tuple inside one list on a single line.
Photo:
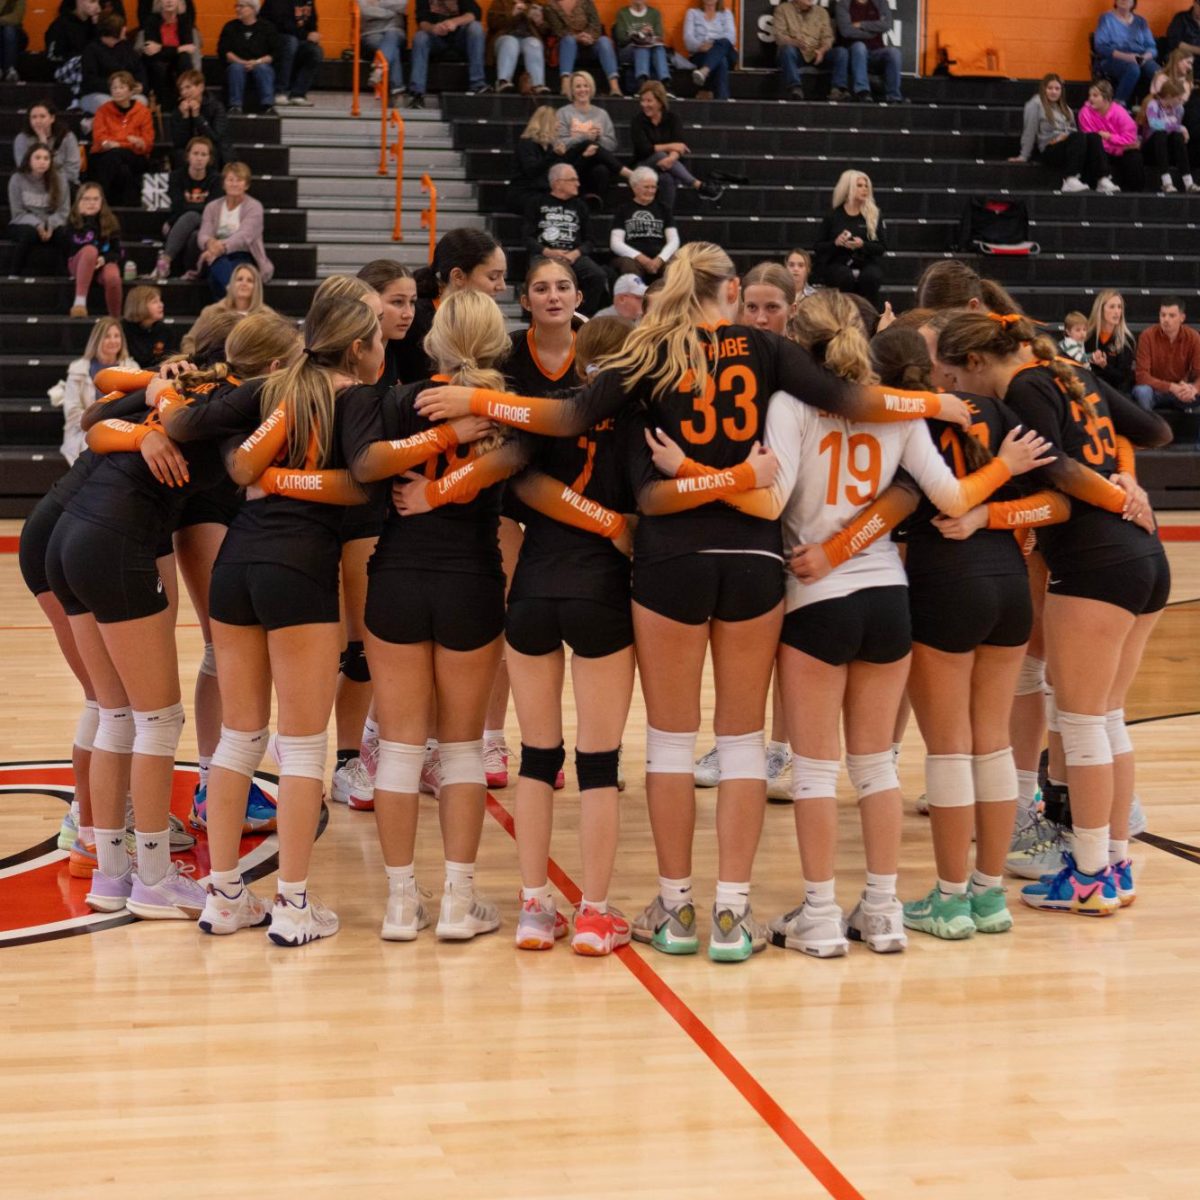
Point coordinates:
[(753, 1092), (1179, 533), (9, 545)]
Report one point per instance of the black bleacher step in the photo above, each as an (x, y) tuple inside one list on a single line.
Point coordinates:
[(27, 474), (25, 422), (53, 295), (292, 261), (59, 334), (279, 224), (243, 130)]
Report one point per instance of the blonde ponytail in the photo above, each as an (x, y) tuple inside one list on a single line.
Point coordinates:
[(829, 325)]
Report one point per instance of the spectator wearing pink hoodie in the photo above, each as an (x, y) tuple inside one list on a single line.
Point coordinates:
[(1119, 133)]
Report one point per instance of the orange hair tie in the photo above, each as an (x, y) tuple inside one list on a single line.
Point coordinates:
[(1005, 319)]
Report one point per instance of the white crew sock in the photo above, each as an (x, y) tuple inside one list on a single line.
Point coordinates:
[(153, 856), (294, 893), (600, 906), (110, 852), (493, 737), (400, 878), (1118, 850), (881, 889), (544, 895), (982, 883), (1026, 792), (87, 835), (460, 876), (1091, 849), (228, 883), (819, 895), (675, 892), (203, 762), (733, 896), (951, 889)]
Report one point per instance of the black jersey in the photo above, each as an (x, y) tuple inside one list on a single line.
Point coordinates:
[(462, 538)]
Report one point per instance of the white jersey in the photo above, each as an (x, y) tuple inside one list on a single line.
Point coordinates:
[(829, 470)]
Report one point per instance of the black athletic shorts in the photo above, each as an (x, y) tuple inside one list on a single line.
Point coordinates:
[(868, 626), (35, 537), (1141, 586), (213, 506), (591, 629), (696, 588), (976, 610), (366, 520), (93, 569), (270, 595), (450, 608)]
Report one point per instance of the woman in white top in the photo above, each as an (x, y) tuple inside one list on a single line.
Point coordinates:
[(710, 36), (105, 348)]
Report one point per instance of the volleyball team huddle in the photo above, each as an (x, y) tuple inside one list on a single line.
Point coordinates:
[(722, 479)]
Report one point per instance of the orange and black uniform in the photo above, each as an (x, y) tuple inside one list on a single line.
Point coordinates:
[(219, 504)]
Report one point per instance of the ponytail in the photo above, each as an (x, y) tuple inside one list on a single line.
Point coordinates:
[(829, 325)]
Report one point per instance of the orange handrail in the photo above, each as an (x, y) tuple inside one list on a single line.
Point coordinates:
[(429, 215), (356, 41), (381, 90), (398, 155)]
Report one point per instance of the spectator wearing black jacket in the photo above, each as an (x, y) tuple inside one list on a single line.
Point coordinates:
[(111, 52), (536, 153), (191, 187), (657, 134), (247, 46), (168, 46), (850, 245), (1110, 344), (149, 338), (445, 26), (198, 114), (299, 49), (556, 226), (68, 36)]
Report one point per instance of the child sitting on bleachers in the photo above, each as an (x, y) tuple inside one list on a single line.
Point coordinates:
[(1075, 329)]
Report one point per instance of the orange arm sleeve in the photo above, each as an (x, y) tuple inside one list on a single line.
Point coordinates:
[(320, 487), (1126, 457), (1082, 483), (259, 450), (563, 504), (112, 379), (168, 400), (682, 493), (1041, 508), (463, 484), (899, 404), (871, 524), (382, 460), (113, 436)]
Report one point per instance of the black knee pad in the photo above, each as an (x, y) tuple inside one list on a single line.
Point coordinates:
[(353, 663), (542, 764), (597, 769)]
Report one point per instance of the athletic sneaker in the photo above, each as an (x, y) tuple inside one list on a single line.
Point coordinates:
[(536, 924), (599, 933), (946, 917), (1137, 817), (260, 811), (227, 914), (1037, 849), (1122, 874), (671, 930), (68, 831), (495, 764), (1073, 890), (431, 773), (82, 861), (175, 897), (811, 930), (779, 776), (989, 911), (108, 894), (881, 926), (708, 771), (464, 914), (406, 914), (922, 805), (354, 786), (295, 924), (180, 839), (735, 937)]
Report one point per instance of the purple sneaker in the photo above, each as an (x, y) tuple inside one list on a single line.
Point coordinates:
[(108, 894), (176, 897)]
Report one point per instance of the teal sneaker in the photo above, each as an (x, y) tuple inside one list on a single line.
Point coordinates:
[(671, 930), (989, 911), (947, 917), (735, 937)]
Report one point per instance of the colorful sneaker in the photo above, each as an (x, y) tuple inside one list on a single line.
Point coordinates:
[(779, 777), (431, 773), (708, 772), (1037, 849), (82, 862), (599, 933), (671, 930), (260, 812), (989, 911), (354, 786), (946, 917), (108, 894), (1122, 873), (227, 914), (406, 914), (198, 818), (816, 931), (881, 926), (536, 924), (175, 897), (495, 764), (68, 831), (1072, 890), (465, 914), (735, 937), (298, 924)]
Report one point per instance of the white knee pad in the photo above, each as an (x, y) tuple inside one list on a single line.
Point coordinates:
[(871, 773), (158, 731), (399, 768), (814, 778), (995, 776), (949, 782), (240, 751), (301, 755), (1052, 721), (1032, 678), (670, 753), (115, 731), (1085, 739), (87, 725), (208, 661), (461, 762), (1118, 735), (742, 756)]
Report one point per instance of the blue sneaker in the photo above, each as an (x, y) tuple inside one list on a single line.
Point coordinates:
[(1073, 890), (260, 810), (1122, 873)]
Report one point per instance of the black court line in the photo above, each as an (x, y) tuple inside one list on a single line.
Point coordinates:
[(1171, 846), (51, 843)]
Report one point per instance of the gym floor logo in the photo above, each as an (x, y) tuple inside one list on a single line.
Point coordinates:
[(40, 901)]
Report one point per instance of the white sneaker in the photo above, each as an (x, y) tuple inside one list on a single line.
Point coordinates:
[(353, 786), (224, 914), (881, 926), (816, 931), (779, 776), (406, 914), (375, 76), (1107, 186), (1168, 188), (300, 102), (464, 914), (299, 924), (282, 102), (708, 772), (1074, 184), (1137, 817), (922, 805)]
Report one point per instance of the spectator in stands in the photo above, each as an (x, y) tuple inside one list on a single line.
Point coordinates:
[(191, 189), (105, 348), (1119, 133), (581, 38), (586, 135), (297, 49), (243, 297), (1072, 343), (1126, 49), (804, 35), (861, 25), (67, 38), (1183, 34), (247, 46), (109, 53), (799, 267), (231, 232), (148, 336), (443, 27), (538, 149), (710, 38), (850, 245), (1180, 68), (37, 206), (1050, 128), (1110, 343), (628, 294), (12, 17), (94, 250), (384, 28), (1168, 361), (170, 42), (43, 124), (199, 114), (638, 33), (1165, 138), (644, 235), (518, 29), (122, 138), (556, 226), (657, 134)]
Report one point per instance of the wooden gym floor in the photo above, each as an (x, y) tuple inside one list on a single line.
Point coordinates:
[(145, 1058)]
